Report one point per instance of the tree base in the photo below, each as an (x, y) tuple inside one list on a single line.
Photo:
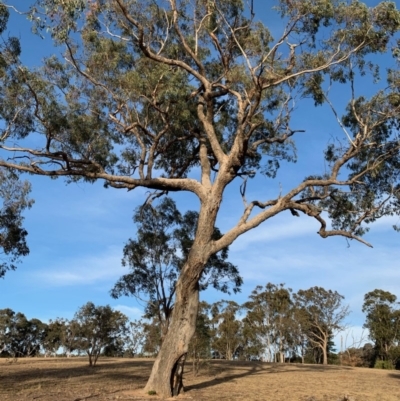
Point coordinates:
[(177, 376)]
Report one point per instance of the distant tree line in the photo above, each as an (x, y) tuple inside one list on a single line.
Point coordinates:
[(94, 330), (274, 325)]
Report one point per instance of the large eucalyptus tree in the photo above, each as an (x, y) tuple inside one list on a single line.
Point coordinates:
[(191, 95)]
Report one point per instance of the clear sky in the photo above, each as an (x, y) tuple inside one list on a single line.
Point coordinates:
[(77, 232)]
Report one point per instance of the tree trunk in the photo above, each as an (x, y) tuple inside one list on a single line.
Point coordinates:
[(90, 359), (96, 357), (166, 375), (281, 352), (325, 353), (228, 353)]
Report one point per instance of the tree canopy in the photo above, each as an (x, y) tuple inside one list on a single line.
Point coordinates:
[(269, 317), (144, 88), (383, 322), (19, 336), (192, 95), (14, 195), (99, 327), (322, 315)]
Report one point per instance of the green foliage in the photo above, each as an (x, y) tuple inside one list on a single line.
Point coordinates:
[(14, 197), (4, 15), (333, 359), (108, 69), (20, 337), (320, 314), (200, 344), (136, 338), (152, 337), (143, 87), (269, 321), (54, 337), (380, 364), (225, 329), (69, 332), (114, 350), (382, 321), (100, 327)]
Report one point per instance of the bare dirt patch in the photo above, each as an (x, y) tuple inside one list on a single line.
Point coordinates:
[(122, 379)]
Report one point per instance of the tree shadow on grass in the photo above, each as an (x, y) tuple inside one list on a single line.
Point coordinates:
[(121, 370), (229, 369), (312, 367), (67, 381), (395, 375), (76, 377)]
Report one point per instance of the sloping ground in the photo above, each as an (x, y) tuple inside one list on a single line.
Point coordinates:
[(121, 379)]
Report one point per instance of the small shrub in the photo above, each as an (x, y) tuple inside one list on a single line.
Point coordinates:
[(384, 365), (151, 392)]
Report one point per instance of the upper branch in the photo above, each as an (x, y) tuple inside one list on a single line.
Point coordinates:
[(186, 46), (207, 119), (157, 57), (323, 232)]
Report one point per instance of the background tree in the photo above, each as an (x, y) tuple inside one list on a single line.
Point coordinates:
[(253, 344), (117, 349), (152, 341), (299, 334), (200, 344), (196, 95), (69, 335), (135, 338), (99, 327), (53, 338), (322, 316), (33, 336), (226, 329), (156, 257), (7, 332), (269, 314), (383, 322), (20, 337), (314, 351)]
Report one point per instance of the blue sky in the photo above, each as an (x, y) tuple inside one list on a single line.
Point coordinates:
[(77, 232)]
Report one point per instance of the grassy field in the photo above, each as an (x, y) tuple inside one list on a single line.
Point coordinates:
[(121, 379)]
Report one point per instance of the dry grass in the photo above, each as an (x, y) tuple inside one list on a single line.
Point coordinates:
[(122, 379)]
